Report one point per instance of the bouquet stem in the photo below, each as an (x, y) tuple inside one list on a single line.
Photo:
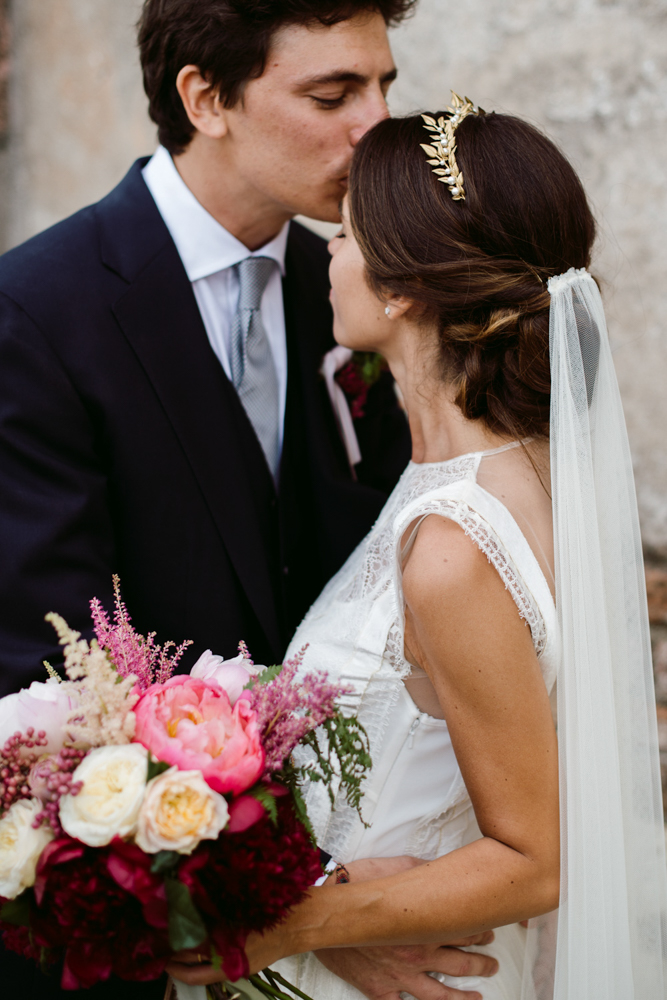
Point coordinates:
[(267, 982), (271, 988)]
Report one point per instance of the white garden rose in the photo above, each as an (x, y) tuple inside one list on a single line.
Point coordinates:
[(178, 811), (114, 784), (21, 846)]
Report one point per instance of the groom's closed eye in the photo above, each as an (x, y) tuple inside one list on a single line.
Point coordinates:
[(328, 103), (330, 99)]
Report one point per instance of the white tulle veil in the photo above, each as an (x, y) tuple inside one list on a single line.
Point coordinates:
[(608, 940)]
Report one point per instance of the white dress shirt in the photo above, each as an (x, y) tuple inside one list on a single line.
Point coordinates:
[(209, 253)]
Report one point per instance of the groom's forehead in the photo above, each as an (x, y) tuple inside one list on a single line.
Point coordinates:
[(343, 76), (350, 51)]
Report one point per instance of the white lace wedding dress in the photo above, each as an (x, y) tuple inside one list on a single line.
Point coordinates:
[(415, 799)]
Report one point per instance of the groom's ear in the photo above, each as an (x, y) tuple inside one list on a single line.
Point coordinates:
[(202, 103)]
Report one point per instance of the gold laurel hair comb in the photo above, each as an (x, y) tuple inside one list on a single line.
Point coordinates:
[(443, 151)]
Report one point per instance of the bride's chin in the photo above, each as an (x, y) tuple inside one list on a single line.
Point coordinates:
[(359, 346), (345, 339)]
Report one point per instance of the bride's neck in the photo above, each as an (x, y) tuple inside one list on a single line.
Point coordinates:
[(438, 427)]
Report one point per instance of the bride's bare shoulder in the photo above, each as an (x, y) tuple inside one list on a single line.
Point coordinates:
[(452, 592), (442, 558)]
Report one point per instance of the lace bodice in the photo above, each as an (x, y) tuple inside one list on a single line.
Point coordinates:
[(415, 800), (355, 628)]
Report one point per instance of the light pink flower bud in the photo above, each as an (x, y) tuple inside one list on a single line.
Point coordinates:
[(42, 707), (232, 675), (39, 777)]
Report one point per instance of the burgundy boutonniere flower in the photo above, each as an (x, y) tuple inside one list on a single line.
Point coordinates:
[(357, 376), (348, 376)]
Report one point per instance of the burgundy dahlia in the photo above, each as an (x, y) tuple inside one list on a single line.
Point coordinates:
[(104, 911), (246, 881)]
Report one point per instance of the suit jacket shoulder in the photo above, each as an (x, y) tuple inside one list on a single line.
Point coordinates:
[(51, 256), (80, 260)]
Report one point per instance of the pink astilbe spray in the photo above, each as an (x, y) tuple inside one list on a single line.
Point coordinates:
[(132, 653), (287, 710)]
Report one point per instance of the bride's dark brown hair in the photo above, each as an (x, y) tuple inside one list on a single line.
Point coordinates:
[(478, 267)]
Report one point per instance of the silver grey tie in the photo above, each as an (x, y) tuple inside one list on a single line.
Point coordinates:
[(253, 369)]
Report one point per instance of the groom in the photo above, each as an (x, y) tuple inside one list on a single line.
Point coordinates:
[(161, 411)]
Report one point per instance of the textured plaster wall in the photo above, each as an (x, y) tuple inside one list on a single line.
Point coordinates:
[(591, 73), (78, 113)]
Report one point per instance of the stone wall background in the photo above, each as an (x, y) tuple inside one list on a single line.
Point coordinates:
[(77, 109), (591, 73)]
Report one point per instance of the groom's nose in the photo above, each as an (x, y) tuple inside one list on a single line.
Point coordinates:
[(372, 109)]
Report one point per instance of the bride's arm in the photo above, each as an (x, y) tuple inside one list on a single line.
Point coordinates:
[(464, 629)]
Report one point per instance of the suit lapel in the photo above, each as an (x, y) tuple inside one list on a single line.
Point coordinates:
[(315, 467), (159, 316)]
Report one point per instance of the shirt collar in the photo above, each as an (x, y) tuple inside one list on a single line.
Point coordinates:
[(204, 246)]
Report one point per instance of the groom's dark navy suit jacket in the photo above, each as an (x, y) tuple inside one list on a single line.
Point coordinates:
[(124, 448)]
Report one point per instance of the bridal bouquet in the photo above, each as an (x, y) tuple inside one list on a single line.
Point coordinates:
[(142, 812)]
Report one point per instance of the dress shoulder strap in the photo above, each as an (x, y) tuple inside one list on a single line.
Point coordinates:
[(493, 529)]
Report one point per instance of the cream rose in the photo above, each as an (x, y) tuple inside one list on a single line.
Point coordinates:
[(178, 811), (20, 846), (114, 784)]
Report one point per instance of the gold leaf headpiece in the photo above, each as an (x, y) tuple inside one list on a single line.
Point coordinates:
[(442, 152)]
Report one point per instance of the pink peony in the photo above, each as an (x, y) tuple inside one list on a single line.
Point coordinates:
[(231, 675), (40, 707), (190, 722)]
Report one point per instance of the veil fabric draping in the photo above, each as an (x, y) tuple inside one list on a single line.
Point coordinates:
[(608, 940)]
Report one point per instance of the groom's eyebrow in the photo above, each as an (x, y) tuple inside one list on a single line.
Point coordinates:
[(346, 76)]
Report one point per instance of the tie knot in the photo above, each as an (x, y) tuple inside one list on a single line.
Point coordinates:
[(254, 273)]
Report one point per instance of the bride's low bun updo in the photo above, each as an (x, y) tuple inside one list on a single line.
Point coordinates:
[(477, 267)]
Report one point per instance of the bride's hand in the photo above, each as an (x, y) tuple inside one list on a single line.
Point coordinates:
[(194, 968)]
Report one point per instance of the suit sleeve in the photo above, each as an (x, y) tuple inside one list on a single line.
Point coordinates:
[(56, 542)]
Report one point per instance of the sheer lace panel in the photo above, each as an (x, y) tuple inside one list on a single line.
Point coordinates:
[(375, 573)]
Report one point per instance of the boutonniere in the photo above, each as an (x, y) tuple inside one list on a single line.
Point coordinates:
[(357, 376), (348, 376)]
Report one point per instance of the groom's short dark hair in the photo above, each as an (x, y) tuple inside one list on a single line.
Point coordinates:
[(229, 41)]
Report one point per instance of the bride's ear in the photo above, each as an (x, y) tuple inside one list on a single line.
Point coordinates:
[(202, 103), (396, 306)]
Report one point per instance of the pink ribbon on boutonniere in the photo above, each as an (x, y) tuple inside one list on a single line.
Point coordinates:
[(333, 361)]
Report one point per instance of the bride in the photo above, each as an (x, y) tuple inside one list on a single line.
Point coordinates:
[(500, 590)]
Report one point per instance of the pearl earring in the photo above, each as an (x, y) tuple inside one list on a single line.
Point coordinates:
[(387, 310)]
